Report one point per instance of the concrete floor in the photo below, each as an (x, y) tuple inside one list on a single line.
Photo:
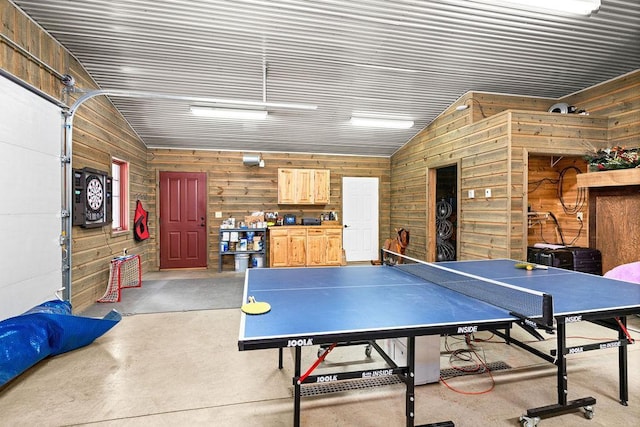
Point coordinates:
[(184, 369)]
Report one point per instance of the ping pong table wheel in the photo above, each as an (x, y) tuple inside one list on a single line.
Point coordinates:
[(529, 421), (588, 412)]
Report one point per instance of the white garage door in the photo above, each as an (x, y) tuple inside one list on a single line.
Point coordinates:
[(30, 199)]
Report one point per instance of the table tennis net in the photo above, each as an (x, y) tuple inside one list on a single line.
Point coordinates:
[(522, 302)]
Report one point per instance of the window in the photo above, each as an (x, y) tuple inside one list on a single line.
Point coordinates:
[(120, 195)]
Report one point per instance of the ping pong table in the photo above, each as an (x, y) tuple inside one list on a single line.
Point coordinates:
[(326, 305)]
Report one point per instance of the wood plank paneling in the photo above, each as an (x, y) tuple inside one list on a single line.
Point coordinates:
[(617, 99), (544, 189), (616, 229), (237, 190), (493, 153)]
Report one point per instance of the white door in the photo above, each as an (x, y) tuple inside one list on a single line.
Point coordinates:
[(360, 218)]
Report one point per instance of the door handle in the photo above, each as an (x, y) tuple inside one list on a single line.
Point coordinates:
[(346, 226), (202, 224)]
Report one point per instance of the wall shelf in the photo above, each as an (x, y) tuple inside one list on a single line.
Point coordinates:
[(241, 233), (611, 178)]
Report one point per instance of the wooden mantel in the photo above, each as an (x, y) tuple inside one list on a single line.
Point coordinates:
[(612, 178)]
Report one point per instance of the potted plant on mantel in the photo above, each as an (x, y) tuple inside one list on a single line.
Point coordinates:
[(614, 158)]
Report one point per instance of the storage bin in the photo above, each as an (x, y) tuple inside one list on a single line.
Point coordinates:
[(242, 262), (257, 260)]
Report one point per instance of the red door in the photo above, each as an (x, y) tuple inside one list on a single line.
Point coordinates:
[(183, 226)]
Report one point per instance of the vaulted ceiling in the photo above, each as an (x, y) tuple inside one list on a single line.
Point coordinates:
[(393, 58)]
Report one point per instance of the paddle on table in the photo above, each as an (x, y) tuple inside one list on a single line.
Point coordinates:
[(255, 307), (529, 266)]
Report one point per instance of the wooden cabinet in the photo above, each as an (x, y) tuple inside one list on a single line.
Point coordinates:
[(286, 185), (316, 244), (304, 183), (321, 186), (324, 246), (305, 246), (303, 186), (334, 246), (288, 247)]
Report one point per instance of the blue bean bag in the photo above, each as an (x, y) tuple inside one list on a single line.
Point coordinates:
[(46, 330)]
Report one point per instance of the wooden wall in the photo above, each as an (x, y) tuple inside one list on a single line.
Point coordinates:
[(491, 143), (619, 100), (237, 190), (477, 140), (543, 145), (480, 153), (544, 182), (17, 27), (613, 224), (99, 133)]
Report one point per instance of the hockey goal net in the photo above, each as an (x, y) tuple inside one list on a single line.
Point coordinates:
[(125, 272)]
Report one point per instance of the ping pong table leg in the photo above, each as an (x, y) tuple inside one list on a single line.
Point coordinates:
[(410, 381), (622, 363), (562, 362), (296, 387)]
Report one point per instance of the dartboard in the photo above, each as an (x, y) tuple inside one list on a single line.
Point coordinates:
[(95, 193)]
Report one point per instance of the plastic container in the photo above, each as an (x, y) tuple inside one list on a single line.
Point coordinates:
[(257, 260), (242, 262)]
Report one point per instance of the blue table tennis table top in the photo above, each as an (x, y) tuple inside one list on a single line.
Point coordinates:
[(338, 301)]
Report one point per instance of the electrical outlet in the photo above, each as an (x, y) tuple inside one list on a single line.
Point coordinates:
[(218, 214), (472, 194), (487, 192), (579, 216)]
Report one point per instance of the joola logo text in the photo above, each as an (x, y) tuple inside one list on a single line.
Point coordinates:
[(327, 378), (467, 329), (300, 342), (575, 350)]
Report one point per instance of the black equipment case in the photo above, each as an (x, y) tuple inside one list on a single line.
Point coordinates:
[(575, 258)]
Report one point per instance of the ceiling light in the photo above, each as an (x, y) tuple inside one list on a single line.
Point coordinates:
[(381, 123), (229, 113), (580, 7), (383, 67)]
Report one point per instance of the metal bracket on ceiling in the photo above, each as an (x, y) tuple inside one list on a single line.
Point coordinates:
[(555, 162)]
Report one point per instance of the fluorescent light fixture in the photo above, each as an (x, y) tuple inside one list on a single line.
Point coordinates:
[(229, 113), (381, 123), (382, 67), (462, 107), (579, 7)]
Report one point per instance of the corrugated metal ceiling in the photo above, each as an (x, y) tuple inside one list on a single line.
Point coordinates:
[(395, 58)]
